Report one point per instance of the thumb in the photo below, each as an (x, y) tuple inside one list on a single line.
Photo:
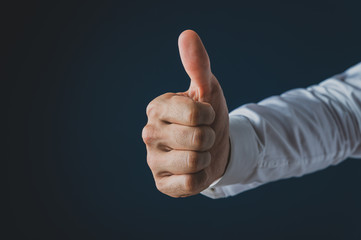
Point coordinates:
[(196, 63)]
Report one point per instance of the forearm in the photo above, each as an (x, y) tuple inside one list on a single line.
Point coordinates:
[(298, 132)]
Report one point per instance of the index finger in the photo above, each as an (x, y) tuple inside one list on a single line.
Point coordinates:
[(185, 111)]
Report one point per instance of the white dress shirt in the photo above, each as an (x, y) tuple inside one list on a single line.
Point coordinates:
[(298, 132)]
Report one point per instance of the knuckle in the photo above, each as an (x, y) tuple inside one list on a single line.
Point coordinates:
[(192, 113), (211, 114), (152, 109), (156, 106), (199, 137), (192, 161), (211, 136), (149, 134)]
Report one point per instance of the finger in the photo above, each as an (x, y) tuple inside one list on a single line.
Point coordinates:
[(180, 137), (177, 162), (184, 110), (195, 59), (180, 109), (183, 185), (152, 134)]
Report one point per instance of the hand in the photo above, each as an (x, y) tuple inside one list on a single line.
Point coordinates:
[(187, 134)]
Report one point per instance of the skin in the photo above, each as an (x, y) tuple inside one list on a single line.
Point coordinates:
[(187, 134)]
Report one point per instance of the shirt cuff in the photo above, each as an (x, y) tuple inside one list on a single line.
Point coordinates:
[(243, 160)]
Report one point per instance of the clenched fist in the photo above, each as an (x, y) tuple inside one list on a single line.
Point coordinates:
[(187, 134)]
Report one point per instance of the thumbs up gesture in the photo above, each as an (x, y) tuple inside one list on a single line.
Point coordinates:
[(187, 134)]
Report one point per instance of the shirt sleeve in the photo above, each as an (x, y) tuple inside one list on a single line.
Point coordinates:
[(298, 132)]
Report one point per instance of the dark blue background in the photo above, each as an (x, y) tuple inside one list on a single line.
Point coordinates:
[(78, 77)]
